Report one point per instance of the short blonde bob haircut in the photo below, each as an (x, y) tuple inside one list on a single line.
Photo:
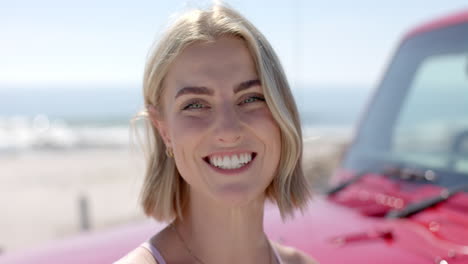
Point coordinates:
[(164, 192)]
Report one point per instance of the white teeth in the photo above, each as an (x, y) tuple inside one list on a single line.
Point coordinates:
[(248, 158), (226, 162), (230, 162), (245, 158), (234, 160)]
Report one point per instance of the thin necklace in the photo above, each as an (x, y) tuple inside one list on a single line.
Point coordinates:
[(195, 257)]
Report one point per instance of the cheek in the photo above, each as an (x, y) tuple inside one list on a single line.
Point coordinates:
[(188, 127), (263, 124), (266, 129), (187, 133)]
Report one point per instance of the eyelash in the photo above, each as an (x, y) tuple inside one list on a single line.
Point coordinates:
[(189, 106), (255, 97)]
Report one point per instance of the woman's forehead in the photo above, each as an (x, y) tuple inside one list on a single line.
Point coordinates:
[(223, 60), (221, 46)]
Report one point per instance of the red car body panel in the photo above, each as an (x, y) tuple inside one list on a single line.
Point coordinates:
[(454, 19), (346, 227)]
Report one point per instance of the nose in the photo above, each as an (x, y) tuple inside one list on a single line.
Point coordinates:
[(228, 130)]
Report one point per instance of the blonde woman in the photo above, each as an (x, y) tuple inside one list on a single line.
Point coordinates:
[(225, 137)]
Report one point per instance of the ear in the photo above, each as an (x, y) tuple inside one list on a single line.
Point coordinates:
[(161, 125)]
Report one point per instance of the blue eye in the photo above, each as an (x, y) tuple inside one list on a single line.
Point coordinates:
[(252, 99), (194, 105)]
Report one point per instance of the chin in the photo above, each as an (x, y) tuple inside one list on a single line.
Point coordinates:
[(238, 195)]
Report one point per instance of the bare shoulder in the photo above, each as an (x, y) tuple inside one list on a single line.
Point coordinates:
[(137, 256), (291, 255)]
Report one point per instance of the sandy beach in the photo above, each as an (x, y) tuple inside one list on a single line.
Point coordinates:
[(41, 191)]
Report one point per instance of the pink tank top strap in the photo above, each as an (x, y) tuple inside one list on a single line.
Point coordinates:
[(154, 251)]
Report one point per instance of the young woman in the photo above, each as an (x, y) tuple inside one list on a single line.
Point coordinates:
[(225, 137)]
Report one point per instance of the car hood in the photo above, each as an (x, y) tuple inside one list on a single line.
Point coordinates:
[(333, 233)]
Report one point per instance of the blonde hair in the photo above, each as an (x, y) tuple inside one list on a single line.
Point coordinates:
[(164, 192)]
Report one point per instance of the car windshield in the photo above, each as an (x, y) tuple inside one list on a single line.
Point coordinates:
[(419, 116)]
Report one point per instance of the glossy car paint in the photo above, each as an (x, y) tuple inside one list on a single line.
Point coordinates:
[(454, 19), (347, 227)]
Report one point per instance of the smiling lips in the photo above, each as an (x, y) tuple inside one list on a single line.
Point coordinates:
[(230, 162)]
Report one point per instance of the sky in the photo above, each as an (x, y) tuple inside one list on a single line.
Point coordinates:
[(106, 42)]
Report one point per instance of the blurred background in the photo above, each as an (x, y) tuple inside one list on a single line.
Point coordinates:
[(70, 81)]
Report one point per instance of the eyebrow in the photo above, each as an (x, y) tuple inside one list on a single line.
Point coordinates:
[(206, 91)]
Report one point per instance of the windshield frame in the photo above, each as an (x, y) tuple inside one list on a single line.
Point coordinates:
[(382, 112)]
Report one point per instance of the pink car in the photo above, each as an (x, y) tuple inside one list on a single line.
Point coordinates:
[(401, 191)]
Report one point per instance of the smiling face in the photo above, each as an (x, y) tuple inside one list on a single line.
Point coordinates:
[(225, 140)]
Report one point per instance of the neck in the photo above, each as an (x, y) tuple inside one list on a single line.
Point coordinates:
[(218, 234)]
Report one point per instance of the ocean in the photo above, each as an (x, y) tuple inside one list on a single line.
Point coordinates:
[(72, 117)]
